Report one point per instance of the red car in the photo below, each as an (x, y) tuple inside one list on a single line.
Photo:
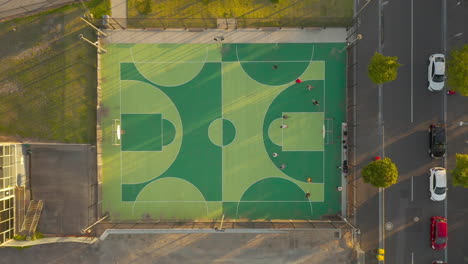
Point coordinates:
[(439, 232)]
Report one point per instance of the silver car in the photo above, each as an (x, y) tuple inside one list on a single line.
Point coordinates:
[(436, 72), (438, 183)]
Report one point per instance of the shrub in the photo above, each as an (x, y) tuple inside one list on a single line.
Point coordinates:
[(460, 173), (383, 69), (380, 173)]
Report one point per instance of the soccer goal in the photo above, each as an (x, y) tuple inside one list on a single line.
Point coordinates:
[(328, 131), (116, 132)]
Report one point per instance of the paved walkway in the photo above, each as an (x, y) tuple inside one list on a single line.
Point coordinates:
[(49, 240), (119, 11), (311, 246), (313, 35)]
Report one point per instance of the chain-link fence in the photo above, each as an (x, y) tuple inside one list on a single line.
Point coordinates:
[(284, 225), (222, 23)]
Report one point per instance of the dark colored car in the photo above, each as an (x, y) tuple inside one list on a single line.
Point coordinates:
[(439, 232), (437, 141)]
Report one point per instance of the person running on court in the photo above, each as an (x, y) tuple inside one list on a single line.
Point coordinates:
[(298, 80), (310, 87), (307, 195), (315, 102), (283, 126), (285, 116), (275, 67), (309, 179), (275, 154), (282, 167)]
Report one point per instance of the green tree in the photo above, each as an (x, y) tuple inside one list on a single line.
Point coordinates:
[(460, 173), (382, 68), (457, 70), (380, 173)]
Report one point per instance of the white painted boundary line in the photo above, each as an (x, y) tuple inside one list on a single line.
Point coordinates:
[(412, 177), (444, 98), (412, 106), (273, 201), (205, 231), (155, 62)]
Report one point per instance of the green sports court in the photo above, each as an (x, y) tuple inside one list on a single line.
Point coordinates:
[(191, 132)]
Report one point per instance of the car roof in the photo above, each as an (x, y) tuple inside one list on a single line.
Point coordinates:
[(441, 228), (439, 68), (439, 133), (441, 178)]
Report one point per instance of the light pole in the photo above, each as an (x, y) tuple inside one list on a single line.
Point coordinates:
[(356, 230), (349, 43), (362, 8)]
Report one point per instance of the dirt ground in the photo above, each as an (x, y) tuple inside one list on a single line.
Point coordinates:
[(310, 246)]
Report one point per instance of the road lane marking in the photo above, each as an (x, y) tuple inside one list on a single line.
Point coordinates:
[(412, 188), (411, 62)]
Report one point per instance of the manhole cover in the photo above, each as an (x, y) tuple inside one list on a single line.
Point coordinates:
[(389, 226)]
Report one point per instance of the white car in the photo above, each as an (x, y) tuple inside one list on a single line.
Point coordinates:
[(436, 72), (438, 183)]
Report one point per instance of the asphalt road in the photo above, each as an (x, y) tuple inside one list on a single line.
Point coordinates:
[(412, 30)]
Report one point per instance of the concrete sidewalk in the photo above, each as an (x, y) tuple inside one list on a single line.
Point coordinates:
[(119, 10), (49, 240), (311, 246), (314, 35)]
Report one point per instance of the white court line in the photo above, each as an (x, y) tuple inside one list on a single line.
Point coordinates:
[(324, 118), (248, 75), (222, 132), (120, 117), (216, 61), (156, 84), (159, 179), (305, 201)]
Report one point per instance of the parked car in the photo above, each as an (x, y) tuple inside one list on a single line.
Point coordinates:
[(439, 262), (439, 232), (436, 72), (438, 183), (437, 141)]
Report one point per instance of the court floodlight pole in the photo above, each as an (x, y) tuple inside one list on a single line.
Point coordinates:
[(362, 8), (96, 44), (358, 37), (221, 226), (95, 28), (86, 230)]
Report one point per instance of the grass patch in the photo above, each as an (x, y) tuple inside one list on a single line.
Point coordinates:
[(22, 248), (99, 7), (48, 78), (241, 8), (19, 237), (37, 235), (142, 7)]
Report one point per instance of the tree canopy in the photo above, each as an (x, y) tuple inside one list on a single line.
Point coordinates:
[(382, 68), (460, 173), (457, 70), (380, 173)]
